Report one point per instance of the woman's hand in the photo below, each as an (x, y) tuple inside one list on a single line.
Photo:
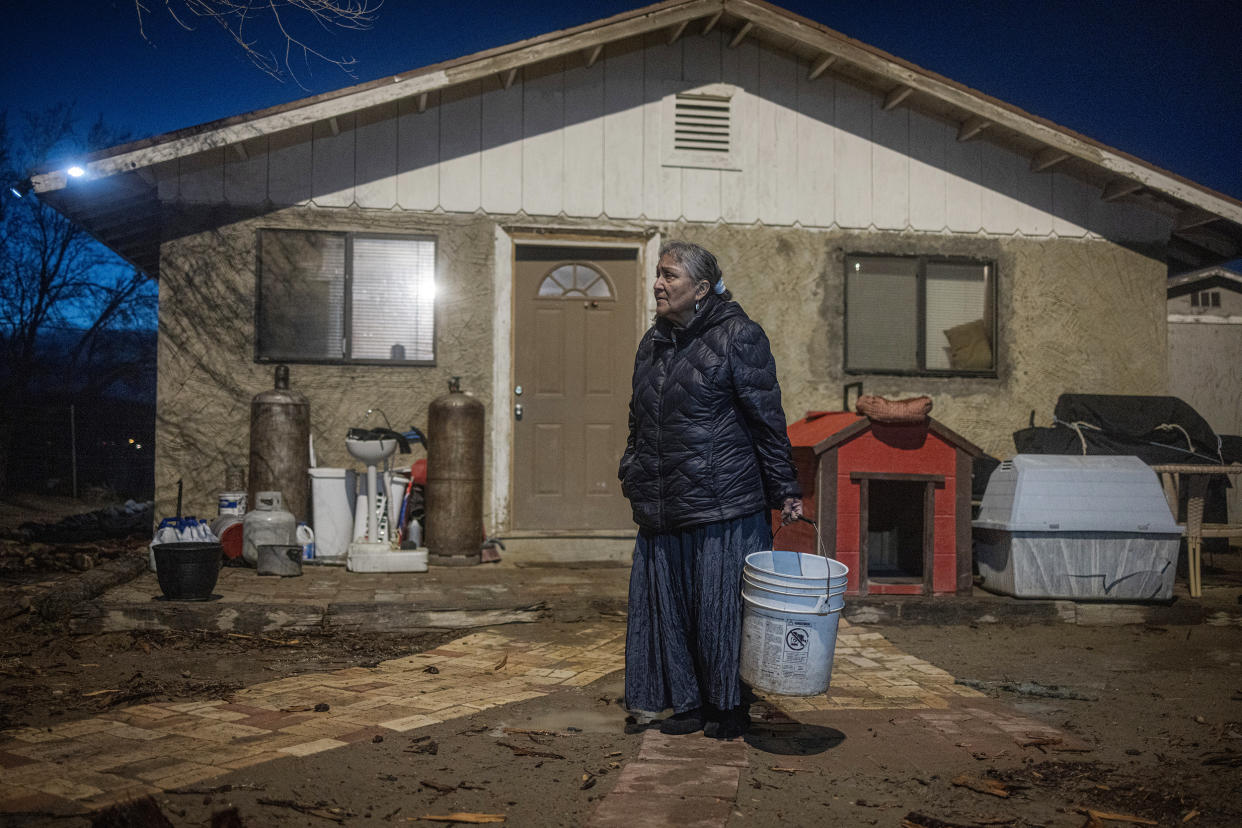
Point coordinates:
[(791, 510)]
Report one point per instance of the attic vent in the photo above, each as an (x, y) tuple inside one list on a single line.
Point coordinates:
[(701, 123), (1006, 465), (700, 129)]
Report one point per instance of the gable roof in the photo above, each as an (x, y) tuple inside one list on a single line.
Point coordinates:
[(822, 430), (116, 200), (1208, 277)]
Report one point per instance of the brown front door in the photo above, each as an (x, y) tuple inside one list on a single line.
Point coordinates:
[(575, 330)]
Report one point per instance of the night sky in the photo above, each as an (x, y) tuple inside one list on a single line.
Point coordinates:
[(1157, 79)]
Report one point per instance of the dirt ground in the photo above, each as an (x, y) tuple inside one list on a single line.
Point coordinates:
[(1160, 707)]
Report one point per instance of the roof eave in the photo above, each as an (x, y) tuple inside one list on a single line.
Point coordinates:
[(1129, 171)]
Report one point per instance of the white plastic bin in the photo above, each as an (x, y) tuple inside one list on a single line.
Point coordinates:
[(1077, 527), (332, 519)]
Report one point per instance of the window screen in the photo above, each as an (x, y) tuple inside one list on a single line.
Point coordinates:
[(919, 315), (301, 295), (882, 302), (338, 297)]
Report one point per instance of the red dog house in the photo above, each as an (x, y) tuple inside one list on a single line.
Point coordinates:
[(892, 502)]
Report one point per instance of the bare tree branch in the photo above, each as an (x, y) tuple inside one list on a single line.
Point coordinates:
[(56, 282), (250, 22)]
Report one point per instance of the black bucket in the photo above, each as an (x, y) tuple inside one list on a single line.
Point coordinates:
[(188, 571)]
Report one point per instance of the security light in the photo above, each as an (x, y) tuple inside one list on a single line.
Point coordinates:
[(76, 171)]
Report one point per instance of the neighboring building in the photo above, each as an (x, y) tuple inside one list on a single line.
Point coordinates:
[(1205, 353), (1205, 344), (497, 217)]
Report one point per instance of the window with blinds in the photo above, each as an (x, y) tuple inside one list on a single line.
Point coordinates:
[(919, 315), (344, 297)]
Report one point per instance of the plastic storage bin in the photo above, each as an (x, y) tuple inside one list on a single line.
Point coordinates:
[(332, 515), (1078, 527)]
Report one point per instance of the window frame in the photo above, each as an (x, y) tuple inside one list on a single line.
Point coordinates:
[(923, 260), (348, 304)]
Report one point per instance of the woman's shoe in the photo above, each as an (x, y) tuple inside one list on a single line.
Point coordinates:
[(681, 724), (728, 724)]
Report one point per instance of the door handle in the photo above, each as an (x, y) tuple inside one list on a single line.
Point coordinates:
[(517, 411)]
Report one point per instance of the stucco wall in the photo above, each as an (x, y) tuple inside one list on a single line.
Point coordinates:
[(1075, 315), (207, 372), (1205, 370)]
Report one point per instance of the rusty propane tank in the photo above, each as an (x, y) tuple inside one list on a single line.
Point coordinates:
[(454, 494), (280, 445)]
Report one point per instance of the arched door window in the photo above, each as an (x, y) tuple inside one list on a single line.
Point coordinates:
[(575, 281)]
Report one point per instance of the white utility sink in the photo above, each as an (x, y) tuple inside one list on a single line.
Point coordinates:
[(371, 452)]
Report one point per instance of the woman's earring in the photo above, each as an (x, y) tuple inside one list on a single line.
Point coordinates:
[(696, 307)]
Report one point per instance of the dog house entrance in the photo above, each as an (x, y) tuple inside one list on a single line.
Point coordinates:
[(896, 528)]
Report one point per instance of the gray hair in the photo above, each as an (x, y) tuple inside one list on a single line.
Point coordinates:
[(699, 262)]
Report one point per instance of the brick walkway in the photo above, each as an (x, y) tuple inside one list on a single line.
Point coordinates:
[(90, 763)]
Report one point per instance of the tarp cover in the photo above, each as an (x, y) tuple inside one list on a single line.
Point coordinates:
[(1155, 429)]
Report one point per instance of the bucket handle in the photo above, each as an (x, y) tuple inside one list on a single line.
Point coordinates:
[(819, 542), (819, 539)]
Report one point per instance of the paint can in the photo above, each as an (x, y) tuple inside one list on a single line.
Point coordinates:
[(231, 503)]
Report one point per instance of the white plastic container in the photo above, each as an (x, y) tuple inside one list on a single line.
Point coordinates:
[(791, 607), (1070, 526), (389, 560), (331, 518), (231, 503), (268, 524), (396, 496), (787, 650)]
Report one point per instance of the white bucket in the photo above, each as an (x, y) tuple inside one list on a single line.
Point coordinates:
[(787, 650), (791, 606), (231, 503), (800, 600), (796, 569)]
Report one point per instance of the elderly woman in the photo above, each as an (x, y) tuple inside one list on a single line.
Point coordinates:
[(707, 457)]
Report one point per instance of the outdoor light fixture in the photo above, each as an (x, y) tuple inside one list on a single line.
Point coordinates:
[(76, 171), (20, 189)]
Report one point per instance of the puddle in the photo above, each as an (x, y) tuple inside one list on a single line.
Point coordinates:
[(605, 720)]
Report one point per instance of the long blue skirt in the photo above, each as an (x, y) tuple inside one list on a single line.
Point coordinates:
[(683, 640)]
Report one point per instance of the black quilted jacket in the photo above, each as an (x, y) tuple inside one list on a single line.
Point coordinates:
[(707, 432)]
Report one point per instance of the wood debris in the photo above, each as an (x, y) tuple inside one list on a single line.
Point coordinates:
[(992, 787), (1096, 819), (789, 771), (436, 786), (519, 750), (462, 816), (915, 819), (316, 809), (527, 731)]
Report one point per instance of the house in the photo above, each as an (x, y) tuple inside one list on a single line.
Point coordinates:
[(497, 217), (1205, 352)]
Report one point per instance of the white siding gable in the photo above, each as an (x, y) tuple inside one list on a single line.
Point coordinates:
[(586, 142)]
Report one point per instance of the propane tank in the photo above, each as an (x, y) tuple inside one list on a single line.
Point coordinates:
[(269, 524), (454, 497), (280, 445)]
